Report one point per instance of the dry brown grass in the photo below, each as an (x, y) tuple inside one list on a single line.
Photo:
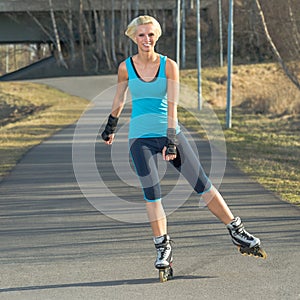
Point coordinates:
[(266, 121), (31, 113), (264, 140), (261, 88)]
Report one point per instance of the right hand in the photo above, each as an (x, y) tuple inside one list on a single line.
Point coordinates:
[(108, 133), (168, 156), (110, 139)]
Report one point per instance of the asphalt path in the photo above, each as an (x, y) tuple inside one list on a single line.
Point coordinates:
[(63, 237)]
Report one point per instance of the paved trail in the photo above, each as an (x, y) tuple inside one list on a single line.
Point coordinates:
[(56, 245)]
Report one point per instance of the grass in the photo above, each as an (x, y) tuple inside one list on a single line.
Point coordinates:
[(268, 149), (30, 113), (259, 88), (264, 140)]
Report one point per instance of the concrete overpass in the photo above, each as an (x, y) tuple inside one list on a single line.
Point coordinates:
[(17, 24), (43, 5), (27, 21), (58, 5)]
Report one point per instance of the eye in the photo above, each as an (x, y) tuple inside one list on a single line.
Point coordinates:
[(141, 35), (151, 34)]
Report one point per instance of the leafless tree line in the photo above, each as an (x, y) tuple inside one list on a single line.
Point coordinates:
[(291, 75), (96, 36), (93, 37), (264, 30), (16, 56)]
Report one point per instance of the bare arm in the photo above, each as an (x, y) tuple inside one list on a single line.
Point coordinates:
[(172, 73), (118, 103), (121, 92)]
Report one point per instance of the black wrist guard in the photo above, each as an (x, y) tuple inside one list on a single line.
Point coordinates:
[(110, 127), (172, 141)]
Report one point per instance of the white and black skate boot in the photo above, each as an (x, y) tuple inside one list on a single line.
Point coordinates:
[(164, 257), (247, 243), (164, 251)]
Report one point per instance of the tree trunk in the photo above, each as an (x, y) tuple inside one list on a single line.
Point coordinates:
[(113, 46), (71, 32), (104, 40), (295, 30), (57, 39), (293, 78), (81, 35), (136, 8), (128, 47), (97, 38)]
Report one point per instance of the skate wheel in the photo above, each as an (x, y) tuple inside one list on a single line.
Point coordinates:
[(263, 253), (165, 274), (257, 252)]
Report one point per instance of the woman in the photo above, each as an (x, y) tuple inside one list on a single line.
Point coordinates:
[(153, 80)]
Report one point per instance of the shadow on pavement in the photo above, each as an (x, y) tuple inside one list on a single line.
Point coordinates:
[(99, 283)]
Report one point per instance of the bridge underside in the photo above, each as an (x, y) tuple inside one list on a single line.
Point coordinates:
[(21, 28), (27, 21), (86, 34), (58, 5)]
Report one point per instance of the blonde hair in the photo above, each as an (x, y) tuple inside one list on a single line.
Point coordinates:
[(141, 20)]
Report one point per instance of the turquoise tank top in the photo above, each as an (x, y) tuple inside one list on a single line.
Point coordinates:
[(149, 116)]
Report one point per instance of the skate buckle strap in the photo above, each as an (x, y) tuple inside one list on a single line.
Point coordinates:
[(240, 230), (162, 244), (236, 226)]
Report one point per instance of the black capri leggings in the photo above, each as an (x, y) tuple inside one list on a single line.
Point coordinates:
[(143, 153)]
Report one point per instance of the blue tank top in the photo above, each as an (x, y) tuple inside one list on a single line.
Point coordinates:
[(149, 116)]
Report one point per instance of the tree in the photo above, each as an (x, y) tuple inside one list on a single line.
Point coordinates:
[(290, 75), (81, 36), (113, 45), (69, 22), (57, 37)]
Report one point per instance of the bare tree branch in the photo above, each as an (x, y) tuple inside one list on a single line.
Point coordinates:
[(40, 25), (293, 78)]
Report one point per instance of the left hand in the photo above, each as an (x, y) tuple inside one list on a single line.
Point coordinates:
[(110, 139), (167, 157)]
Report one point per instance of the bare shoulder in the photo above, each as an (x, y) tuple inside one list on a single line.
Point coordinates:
[(122, 72), (172, 70), (171, 63)]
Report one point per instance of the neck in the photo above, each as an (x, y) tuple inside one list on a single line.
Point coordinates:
[(146, 57)]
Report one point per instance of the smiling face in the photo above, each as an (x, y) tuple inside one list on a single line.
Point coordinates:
[(146, 37)]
